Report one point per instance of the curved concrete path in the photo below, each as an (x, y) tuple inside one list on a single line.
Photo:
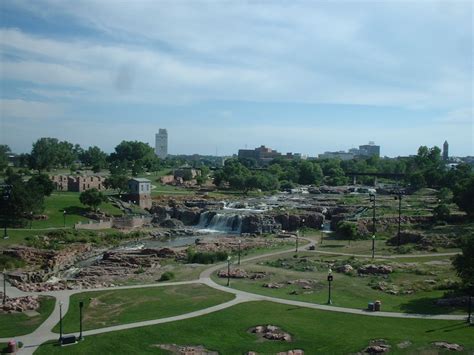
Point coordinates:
[(44, 332)]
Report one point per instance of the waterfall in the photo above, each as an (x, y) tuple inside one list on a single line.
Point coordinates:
[(216, 222)]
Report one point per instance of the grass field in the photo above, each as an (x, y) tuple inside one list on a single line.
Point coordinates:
[(69, 202), (423, 280), (15, 324), (107, 308), (316, 332)]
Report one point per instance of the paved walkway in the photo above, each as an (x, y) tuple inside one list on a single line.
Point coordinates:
[(44, 332)]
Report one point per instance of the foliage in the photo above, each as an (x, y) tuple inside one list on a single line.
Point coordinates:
[(117, 182), (135, 156), (50, 152), (464, 195), (95, 158), (10, 263), (42, 183), (194, 257), (445, 195), (92, 198), (441, 212), (464, 264), (4, 151), (348, 230), (23, 198), (166, 276)]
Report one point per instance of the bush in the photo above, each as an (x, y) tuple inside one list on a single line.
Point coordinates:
[(348, 230), (194, 257), (166, 276)]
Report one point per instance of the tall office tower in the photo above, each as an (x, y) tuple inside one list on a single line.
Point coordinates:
[(445, 151), (161, 143)]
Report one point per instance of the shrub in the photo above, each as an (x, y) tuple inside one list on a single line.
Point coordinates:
[(166, 276)]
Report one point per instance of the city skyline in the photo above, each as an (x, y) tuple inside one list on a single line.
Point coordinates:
[(305, 78)]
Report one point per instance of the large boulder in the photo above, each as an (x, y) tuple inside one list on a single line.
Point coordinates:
[(371, 269), (172, 223)]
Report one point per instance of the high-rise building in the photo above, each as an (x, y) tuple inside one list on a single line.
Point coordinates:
[(369, 150), (445, 151), (161, 143)]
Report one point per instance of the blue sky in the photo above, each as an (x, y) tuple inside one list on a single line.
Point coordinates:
[(301, 76)]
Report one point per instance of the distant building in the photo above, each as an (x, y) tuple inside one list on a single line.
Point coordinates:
[(445, 151), (264, 155), (161, 143), (369, 150), (336, 155), (78, 183), (140, 192)]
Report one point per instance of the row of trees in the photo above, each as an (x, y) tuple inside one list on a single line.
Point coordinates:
[(49, 153)]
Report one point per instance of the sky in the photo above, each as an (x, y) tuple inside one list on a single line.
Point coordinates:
[(297, 76)]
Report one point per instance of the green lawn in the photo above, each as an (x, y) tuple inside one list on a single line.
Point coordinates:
[(314, 331), (161, 189), (107, 308), (353, 291), (16, 324)]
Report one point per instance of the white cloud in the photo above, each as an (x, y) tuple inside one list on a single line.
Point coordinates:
[(16, 108)]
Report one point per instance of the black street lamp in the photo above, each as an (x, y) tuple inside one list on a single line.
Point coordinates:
[(469, 310), (228, 270), (64, 218), (31, 220), (297, 236), (7, 190), (372, 199), (399, 198), (322, 233), (330, 278), (60, 323), (81, 305), (4, 286), (240, 242)]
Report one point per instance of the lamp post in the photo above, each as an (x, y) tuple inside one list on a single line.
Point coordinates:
[(81, 305), (60, 323), (322, 233), (4, 286), (399, 198), (240, 242), (469, 310), (228, 270), (330, 278), (31, 220), (64, 218), (6, 197), (372, 199), (297, 237)]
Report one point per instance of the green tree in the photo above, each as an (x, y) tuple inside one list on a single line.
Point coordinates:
[(464, 264), (309, 173), (4, 151), (44, 154), (135, 156), (441, 212), (464, 196), (23, 199), (95, 158), (92, 198), (117, 182), (445, 195), (41, 183)]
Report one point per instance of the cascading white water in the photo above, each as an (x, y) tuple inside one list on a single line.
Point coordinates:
[(215, 222)]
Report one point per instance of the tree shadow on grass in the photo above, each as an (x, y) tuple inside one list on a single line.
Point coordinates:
[(427, 305), (449, 328), (77, 210), (331, 246)]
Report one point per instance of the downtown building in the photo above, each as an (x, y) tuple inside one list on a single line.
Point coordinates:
[(161, 143)]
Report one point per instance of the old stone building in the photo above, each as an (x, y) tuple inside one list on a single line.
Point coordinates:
[(140, 192), (78, 183)]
